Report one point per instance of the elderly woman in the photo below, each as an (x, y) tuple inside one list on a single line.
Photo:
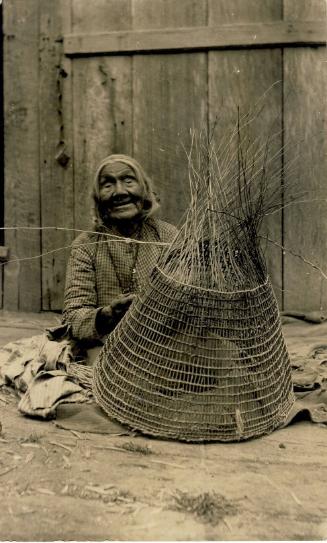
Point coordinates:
[(104, 272)]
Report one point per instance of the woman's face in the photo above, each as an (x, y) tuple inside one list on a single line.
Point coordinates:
[(121, 194)]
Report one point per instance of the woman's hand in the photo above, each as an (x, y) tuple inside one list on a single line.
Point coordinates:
[(118, 306), (110, 315)]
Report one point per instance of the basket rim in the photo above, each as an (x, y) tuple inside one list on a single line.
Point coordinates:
[(212, 290)]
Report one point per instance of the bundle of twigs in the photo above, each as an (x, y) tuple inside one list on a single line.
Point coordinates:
[(200, 355), (83, 375)]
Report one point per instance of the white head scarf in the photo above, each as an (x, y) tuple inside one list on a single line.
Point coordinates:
[(150, 199)]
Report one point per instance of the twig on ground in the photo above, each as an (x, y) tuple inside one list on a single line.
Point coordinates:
[(167, 464), (61, 445), (45, 491), (282, 489), (295, 498), (76, 434), (111, 448), (7, 470), (100, 490)]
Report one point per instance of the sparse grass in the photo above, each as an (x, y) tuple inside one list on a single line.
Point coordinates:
[(134, 447), (208, 507), (106, 493), (34, 437)]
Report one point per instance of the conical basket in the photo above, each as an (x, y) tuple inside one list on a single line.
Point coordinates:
[(194, 365), (200, 355)]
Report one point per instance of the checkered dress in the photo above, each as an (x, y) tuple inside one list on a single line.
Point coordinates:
[(99, 271)]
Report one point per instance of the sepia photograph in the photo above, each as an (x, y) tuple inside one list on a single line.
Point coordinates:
[(163, 270)]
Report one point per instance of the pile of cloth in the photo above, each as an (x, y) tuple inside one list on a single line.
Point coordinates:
[(43, 373), (306, 338)]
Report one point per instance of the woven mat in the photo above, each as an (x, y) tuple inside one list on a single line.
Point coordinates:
[(88, 418), (91, 418)]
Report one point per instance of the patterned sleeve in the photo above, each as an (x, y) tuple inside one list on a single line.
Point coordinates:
[(168, 232), (80, 300)]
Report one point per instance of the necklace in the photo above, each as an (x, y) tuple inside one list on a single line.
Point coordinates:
[(129, 286)]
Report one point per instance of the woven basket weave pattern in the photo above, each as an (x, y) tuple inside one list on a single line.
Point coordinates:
[(195, 365)]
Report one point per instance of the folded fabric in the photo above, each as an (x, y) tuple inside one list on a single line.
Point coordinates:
[(35, 367), (315, 317), (15, 356), (312, 406), (47, 391)]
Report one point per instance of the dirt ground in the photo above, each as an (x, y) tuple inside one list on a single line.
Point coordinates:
[(59, 484)]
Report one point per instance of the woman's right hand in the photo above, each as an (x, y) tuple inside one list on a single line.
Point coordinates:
[(119, 306), (110, 315)]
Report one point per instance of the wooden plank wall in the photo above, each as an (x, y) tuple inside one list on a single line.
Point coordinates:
[(56, 179), (38, 190), (305, 225), (102, 100), (169, 98), (22, 175), (80, 109)]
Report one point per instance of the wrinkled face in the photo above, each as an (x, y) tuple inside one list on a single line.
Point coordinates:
[(121, 195)]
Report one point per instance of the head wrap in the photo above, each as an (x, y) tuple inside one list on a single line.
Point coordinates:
[(150, 200)]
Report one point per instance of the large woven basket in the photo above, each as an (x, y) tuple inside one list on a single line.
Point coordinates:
[(200, 355), (197, 365)]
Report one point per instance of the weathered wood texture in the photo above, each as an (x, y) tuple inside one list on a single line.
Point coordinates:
[(216, 37), (22, 180), (305, 117), (102, 100), (79, 109), (169, 98), (55, 175)]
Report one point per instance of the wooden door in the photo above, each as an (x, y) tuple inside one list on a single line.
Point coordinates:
[(134, 76)]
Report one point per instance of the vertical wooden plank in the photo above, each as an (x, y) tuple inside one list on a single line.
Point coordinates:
[(243, 11), (2, 234), (22, 190), (66, 129), (305, 74), (169, 98), (102, 98), (304, 10), (240, 78), (55, 152)]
